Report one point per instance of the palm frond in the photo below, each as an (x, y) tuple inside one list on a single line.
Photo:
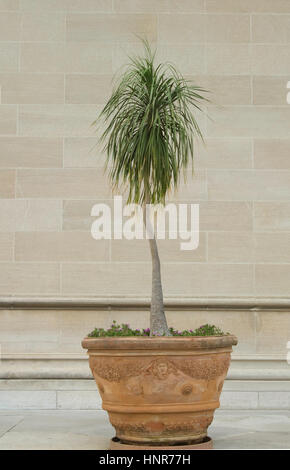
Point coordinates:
[(150, 128)]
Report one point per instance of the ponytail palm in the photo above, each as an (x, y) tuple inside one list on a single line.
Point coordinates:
[(149, 132)]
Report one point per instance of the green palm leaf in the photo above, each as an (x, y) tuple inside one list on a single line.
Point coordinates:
[(150, 128)]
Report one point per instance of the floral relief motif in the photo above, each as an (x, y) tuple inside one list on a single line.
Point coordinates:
[(112, 371), (198, 424), (197, 368), (206, 369), (122, 427)]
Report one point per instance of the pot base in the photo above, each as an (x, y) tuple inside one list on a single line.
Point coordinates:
[(116, 444)]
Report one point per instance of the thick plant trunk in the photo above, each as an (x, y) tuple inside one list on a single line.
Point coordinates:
[(158, 323)]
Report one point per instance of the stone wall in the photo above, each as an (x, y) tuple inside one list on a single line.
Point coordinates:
[(57, 59)]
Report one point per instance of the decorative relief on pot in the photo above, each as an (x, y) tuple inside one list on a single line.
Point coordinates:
[(186, 389), (112, 371), (205, 368), (109, 369), (198, 424), (124, 428), (161, 369), (197, 368)]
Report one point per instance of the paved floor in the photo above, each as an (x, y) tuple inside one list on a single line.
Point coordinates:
[(91, 430)]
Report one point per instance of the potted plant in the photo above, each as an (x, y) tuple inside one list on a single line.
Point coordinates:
[(160, 387)]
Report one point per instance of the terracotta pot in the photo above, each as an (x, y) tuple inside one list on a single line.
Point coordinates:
[(163, 390)]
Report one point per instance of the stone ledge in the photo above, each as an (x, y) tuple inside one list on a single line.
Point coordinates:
[(65, 368), (200, 303), (83, 395), (248, 368)]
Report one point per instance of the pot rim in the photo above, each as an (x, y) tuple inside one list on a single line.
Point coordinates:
[(159, 343)]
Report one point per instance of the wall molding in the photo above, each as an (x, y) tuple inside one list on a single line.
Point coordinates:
[(141, 303), (81, 394), (35, 368)]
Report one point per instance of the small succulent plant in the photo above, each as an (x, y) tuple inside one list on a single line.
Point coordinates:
[(125, 330)]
